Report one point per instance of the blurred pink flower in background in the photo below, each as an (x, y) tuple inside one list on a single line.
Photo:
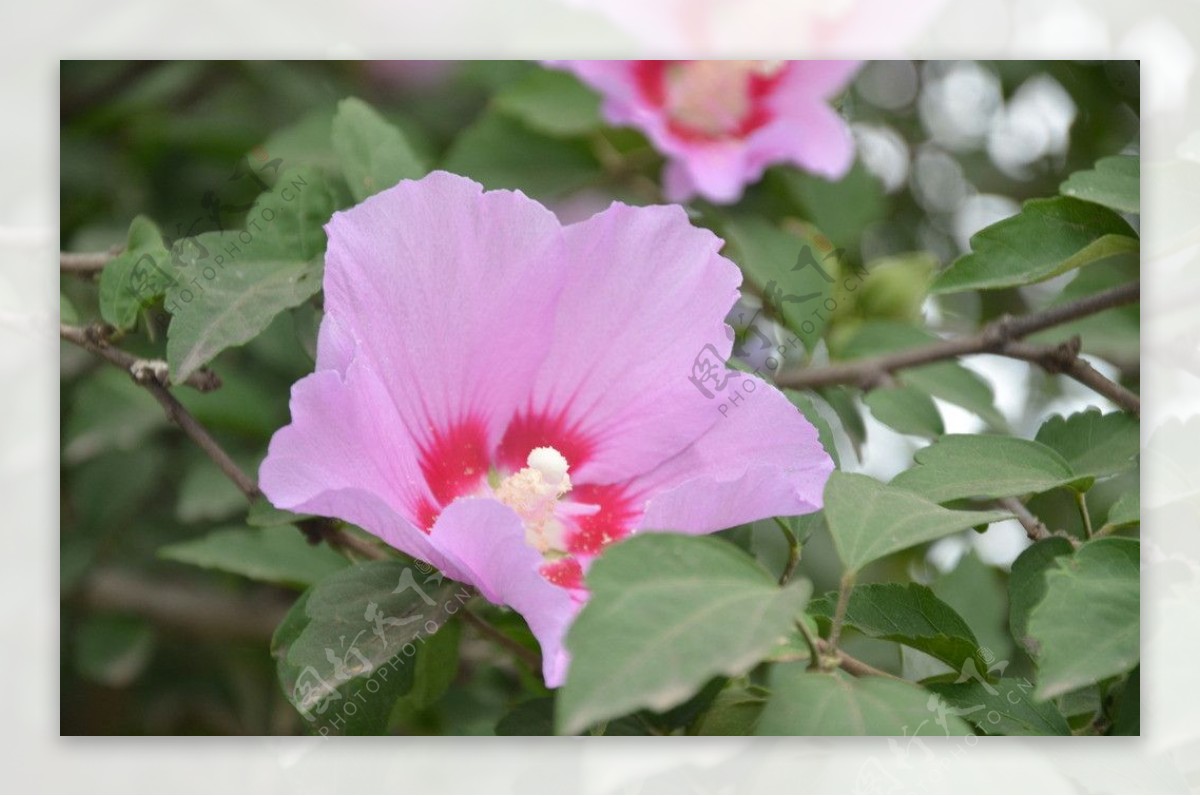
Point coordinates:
[(722, 123), (503, 396)]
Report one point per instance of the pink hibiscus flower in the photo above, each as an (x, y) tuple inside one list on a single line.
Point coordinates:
[(503, 396), (722, 123)]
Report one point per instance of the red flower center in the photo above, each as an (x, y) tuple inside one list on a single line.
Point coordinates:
[(710, 100)]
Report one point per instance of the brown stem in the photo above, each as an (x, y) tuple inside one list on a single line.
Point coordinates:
[(1035, 529), (86, 263), (854, 666), (998, 337), (95, 338)]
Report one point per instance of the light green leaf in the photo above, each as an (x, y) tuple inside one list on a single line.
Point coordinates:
[(984, 466), (1048, 237), (233, 284), (1087, 627), (1003, 708), (906, 409), (1095, 445), (1126, 511), (501, 152), (789, 271), (824, 432), (346, 652), (551, 102), (276, 555), (137, 277), (374, 154), (1114, 182), (1027, 585), (667, 613), (842, 209), (869, 520), (808, 703), (908, 614), (735, 711)]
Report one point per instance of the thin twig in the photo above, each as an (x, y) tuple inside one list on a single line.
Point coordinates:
[(998, 337), (1035, 529), (854, 666), (839, 613), (793, 559), (95, 338), (813, 642), (527, 656), (86, 263), (1081, 501)]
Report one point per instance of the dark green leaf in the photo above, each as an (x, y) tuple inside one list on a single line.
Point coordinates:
[(667, 613), (346, 651), (113, 650), (1048, 237), (1003, 708), (869, 520), (906, 409), (1095, 445), (808, 703), (984, 466), (137, 277), (276, 555), (263, 515), (233, 284), (1087, 626), (842, 209), (551, 102), (1114, 182), (909, 614), (1027, 585), (735, 711), (374, 154), (1128, 719), (530, 718), (501, 152)]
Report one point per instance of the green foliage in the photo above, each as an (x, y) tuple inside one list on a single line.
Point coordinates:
[(869, 520), (1114, 182), (1094, 445), (1006, 707), (906, 409), (373, 154), (1087, 626), (807, 703), (275, 555), (908, 614), (984, 466), (1048, 237), (137, 277), (551, 102), (668, 612)]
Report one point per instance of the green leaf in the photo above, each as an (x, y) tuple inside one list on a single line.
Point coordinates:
[(1095, 445), (1048, 237), (979, 594), (842, 209), (137, 277), (824, 432), (908, 614), (551, 102), (275, 555), (1114, 182), (1128, 719), (788, 270), (1027, 585), (869, 520), (346, 651), (667, 613), (374, 155), (808, 703), (1126, 511), (501, 152), (735, 711), (949, 381), (206, 494), (1087, 626), (263, 515), (1003, 708), (906, 409), (233, 284), (841, 401), (108, 412), (437, 666), (530, 718), (113, 650), (984, 466), (66, 310)]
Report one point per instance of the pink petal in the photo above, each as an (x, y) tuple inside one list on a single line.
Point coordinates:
[(346, 454), (645, 293), (482, 542), (448, 293), (761, 459), (816, 80), (814, 137)]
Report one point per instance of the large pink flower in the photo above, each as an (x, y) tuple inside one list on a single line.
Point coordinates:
[(722, 123), (503, 396)]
